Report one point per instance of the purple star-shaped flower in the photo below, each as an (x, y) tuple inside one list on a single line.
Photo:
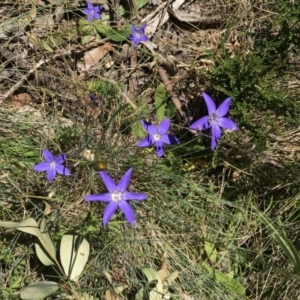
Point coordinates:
[(52, 165), (138, 35), (158, 136), (117, 197), (92, 12), (215, 119)]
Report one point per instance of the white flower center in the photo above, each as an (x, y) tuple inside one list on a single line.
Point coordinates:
[(116, 196), (92, 12), (53, 164), (156, 137), (213, 118)]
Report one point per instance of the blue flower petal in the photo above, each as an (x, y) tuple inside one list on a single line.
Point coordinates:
[(213, 143), (90, 18), (216, 135), (62, 170), (227, 124), (97, 16), (109, 211), (48, 156), (134, 196), (60, 159), (86, 11), (169, 139), (211, 106), (223, 108), (108, 181), (90, 5), (51, 174), (143, 27), (124, 182), (201, 124), (146, 142), (163, 126), (144, 38), (42, 166), (133, 29), (128, 211), (136, 40), (151, 129), (159, 148), (106, 197), (96, 9)]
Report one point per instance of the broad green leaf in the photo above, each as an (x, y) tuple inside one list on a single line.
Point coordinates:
[(151, 274), (226, 280), (117, 35), (86, 39), (38, 42), (140, 294), (30, 226), (74, 253), (40, 251), (170, 109), (211, 251), (38, 290), (286, 246), (119, 289), (160, 101), (138, 130), (158, 292), (55, 40), (45, 45), (30, 16), (141, 3), (121, 10)]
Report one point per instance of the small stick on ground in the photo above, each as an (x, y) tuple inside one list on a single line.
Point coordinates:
[(133, 77), (24, 77), (164, 77)]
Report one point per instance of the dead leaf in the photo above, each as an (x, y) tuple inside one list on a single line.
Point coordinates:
[(47, 209), (232, 47), (87, 154), (20, 100), (93, 56), (157, 21)]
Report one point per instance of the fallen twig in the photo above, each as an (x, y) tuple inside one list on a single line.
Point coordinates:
[(164, 77)]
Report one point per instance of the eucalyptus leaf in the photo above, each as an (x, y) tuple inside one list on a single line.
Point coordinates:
[(38, 290), (74, 253)]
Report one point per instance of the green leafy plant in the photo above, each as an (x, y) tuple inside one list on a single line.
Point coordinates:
[(74, 252)]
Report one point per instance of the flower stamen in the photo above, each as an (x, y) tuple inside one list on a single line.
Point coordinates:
[(156, 137), (116, 196)]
